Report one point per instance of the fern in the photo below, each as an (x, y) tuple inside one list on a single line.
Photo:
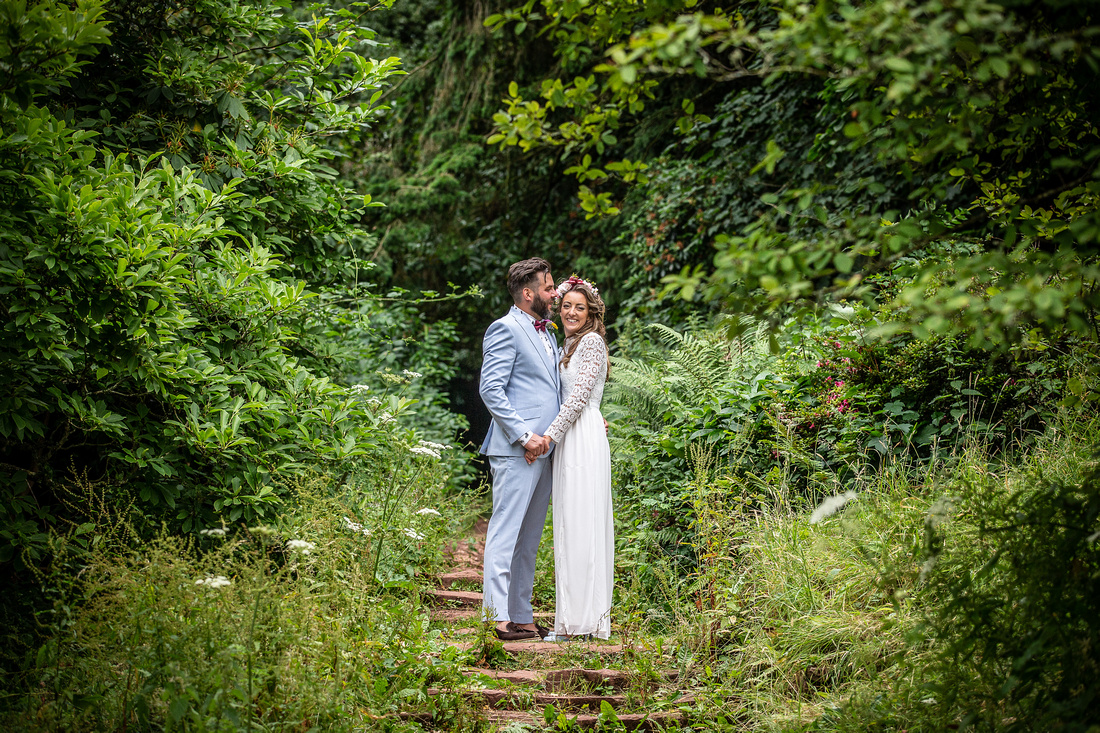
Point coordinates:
[(694, 369)]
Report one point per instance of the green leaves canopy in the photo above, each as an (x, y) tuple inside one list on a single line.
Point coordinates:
[(161, 197), (984, 112)]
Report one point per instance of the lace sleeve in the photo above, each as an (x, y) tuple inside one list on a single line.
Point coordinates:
[(591, 360)]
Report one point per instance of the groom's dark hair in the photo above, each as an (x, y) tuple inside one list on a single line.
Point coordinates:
[(524, 274)]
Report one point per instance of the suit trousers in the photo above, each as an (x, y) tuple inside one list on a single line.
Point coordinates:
[(521, 495)]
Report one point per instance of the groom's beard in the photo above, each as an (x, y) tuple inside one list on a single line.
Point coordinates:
[(540, 306)]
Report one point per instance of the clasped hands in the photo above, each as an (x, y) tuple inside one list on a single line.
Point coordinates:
[(539, 444), (535, 447)]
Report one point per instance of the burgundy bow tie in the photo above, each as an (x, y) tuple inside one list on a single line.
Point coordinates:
[(541, 324)]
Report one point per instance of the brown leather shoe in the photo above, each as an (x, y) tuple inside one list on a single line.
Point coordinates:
[(515, 633)]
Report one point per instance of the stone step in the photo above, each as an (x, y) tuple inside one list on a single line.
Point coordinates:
[(465, 598), (531, 677), (630, 721), (559, 680), (548, 647), (556, 680), (513, 699), (452, 615), (468, 575)]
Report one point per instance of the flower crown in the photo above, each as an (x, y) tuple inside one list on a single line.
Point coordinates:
[(572, 283)]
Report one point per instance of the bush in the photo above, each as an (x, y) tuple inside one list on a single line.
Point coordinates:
[(164, 190), (312, 620)]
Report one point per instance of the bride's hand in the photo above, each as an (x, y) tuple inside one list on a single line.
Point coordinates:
[(531, 456)]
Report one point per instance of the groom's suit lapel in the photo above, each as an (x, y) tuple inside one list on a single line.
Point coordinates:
[(536, 342), (557, 360)]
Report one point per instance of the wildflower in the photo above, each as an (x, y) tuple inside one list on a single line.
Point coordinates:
[(356, 527), (411, 374), (215, 532), (214, 581), (412, 534), (429, 510), (359, 388), (385, 417), (421, 450), (300, 546), (434, 446), (831, 506)]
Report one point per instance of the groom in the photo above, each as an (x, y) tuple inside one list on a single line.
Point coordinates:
[(519, 386)]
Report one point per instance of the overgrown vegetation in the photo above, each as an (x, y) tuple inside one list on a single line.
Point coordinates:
[(850, 254)]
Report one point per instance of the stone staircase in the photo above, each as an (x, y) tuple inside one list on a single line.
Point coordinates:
[(542, 684)]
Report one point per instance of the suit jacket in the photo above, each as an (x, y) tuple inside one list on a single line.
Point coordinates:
[(519, 383)]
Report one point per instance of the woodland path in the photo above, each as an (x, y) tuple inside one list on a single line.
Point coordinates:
[(543, 684)]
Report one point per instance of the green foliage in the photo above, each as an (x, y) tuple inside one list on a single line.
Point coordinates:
[(43, 43), (982, 113), (811, 408), (156, 225), (240, 628), (1021, 615)]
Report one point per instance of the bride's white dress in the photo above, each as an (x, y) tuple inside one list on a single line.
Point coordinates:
[(584, 532)]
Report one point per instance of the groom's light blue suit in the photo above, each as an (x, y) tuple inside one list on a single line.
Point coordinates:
[(520, 387)]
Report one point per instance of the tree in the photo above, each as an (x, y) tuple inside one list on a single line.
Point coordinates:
[(983, 111)]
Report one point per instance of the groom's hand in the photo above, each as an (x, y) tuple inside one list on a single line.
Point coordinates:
[(538, 444)]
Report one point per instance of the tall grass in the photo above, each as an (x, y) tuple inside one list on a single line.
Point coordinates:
[(839, 624), (287, 627)]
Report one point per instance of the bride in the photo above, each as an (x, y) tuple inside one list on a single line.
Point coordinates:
[(584, 534)]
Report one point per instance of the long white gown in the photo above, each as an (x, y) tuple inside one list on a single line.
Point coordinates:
[(584, 531)]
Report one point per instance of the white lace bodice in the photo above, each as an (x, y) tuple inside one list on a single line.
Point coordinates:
[(581, 383)]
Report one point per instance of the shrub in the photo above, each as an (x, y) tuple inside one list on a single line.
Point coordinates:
[(164, 188)]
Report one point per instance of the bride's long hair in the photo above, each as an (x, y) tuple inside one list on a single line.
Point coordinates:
[(594, 324)]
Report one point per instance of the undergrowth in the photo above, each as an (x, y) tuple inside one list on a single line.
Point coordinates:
[(890, 607), (887, 613)]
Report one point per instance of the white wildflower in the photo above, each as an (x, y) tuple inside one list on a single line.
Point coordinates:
[(356, 527), (301, 546), (359, 388), (214, 581), (412, 534), (385, 417), (428, 510), (411, 374), (421, 450), (215, 532), (831, 506), (434, 446)]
